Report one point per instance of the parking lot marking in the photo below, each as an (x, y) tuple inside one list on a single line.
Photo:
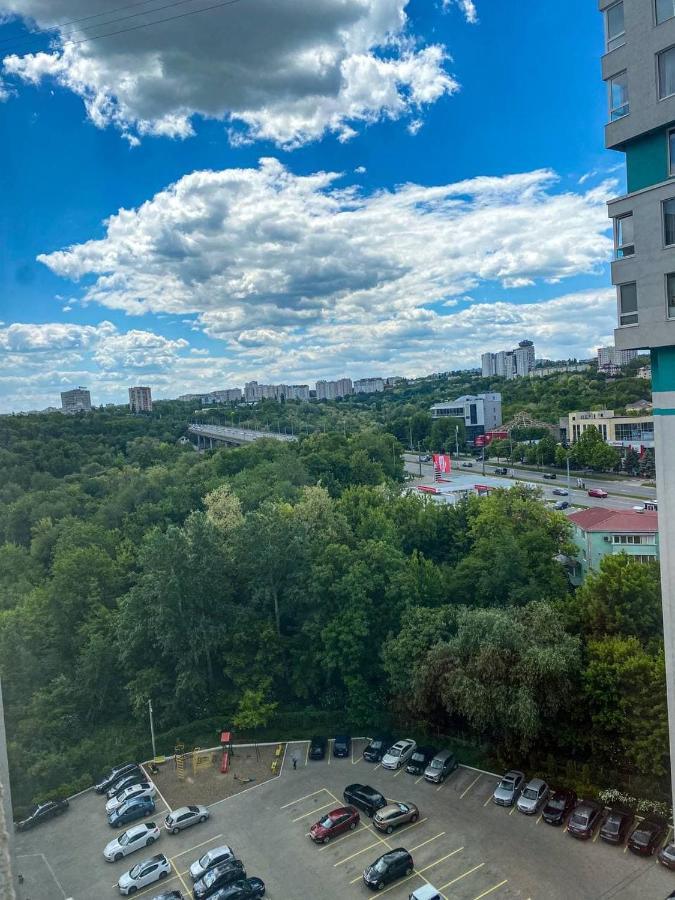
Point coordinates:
[(538, 820), (487, 801), (513, 810), (462, 795), (306, 797), (490, 890), (182, 881), (307, 754), (329, 750), (341, 862), (417, 780), (51, 871), (196, 847), (344, 838), (428, 841), (312, 811), (399, 772), (463, 875), (442, 859)]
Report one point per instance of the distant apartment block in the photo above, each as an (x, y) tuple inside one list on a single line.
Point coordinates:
[(140, 399), (368, 385), (545, 371), (644, 372), (293, 391), (610, 359), (618, 431), (480, 413), (333, 390), (77, 400), (514, 363), (230, 395), (253, 392)]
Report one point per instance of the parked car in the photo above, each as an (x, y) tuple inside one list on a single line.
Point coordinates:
[(184, 817), (376, 749), (342, 746), (387, 868), (246, 889), (143, 789), (219, 876), (426, 892), (667, 856), (394, 814), (442, 765), (584, 819), (508, 790), (134, 838), (560, 492), (466, 465), (210, 859), (364, 797), (145, 873), (131, 810), (420, 760), (597, 492), (501, 470), (535, 793), (399, 754), (561, 504), (114, 775), (125, 781), (41, 813), (334, 823), (550, 476), (647, 835), (616, 826), (317, 747), (560, 802), (169, 895)]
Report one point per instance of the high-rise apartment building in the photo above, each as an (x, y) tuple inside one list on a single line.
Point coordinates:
[(77, 400), (509, 363), (332, 390), (368, 385), (611, 358), (523, 357), (140, 399)]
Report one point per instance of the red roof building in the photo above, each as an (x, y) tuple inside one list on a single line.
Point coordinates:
[(598, 532)]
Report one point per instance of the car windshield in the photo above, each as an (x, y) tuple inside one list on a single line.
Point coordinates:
[(530, 794), (135, 872), (381, 865), (612, 826), (403, 808), (557, 803), (417, 757), (123, 839), (436, 764), (376, 744), (506, 785), (580, 818), (210, 877), (395, 751), (326, 823)]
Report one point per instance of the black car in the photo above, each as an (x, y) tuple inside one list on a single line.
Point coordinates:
[(377, 748), (364, 797), (124, 782), (114, 775), (41, 813), (420, 760), (396, 864), (584, 819), (550, 476), (647, 835), (616, 826), (220, 876), (246, 889), (317, 747), (342, 745), (561, 801), (169, 895)]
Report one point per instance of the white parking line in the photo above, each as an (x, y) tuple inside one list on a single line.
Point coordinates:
[(52, 872), (196, 847), (462, 795), (490, 890), (463, 875), (312, 812), (306, 797)]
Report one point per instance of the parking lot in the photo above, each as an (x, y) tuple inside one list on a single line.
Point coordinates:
[(462, 843)]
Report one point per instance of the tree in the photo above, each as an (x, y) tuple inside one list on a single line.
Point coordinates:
[(631, 462), (588, 442), (254, 710), (446, 432), (223, 509), (603, 458), (647, 464)]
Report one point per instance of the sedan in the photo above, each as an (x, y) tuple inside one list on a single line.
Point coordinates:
[(616, 826), (134, 838), (184, 817), (219, 876), (647, 836), (584, 819), (41, 813), (131, 810), (561, 504), (146, 872), (342, 746), (144, 789), (334, 823), (550, 476), (420, 760), (246, 889), (532, 797), (397, 863), (560, 492), (558, 805), (508, 790), (598, 492), (114, 775), (467, 465), (377, 748), (210, 859), (124, 782), (399, 754), (317, 747), (667, 856), (394, 814)]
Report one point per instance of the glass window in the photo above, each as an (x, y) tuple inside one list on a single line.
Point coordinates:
[(618, 96), (623, 236), (616, 35), (670, 294), (669, 222), (666, 73), (628, 314), (665, 9)]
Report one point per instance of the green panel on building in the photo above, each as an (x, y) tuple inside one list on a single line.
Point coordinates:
[(646, 160)]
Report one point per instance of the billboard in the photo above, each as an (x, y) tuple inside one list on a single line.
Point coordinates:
[(442, 464)]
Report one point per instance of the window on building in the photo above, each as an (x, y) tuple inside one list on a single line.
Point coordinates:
[(670, 295), (616, 34), (666, 66), (665, 9), (618, 96), (669, 222), (623, 236), (628, 311)]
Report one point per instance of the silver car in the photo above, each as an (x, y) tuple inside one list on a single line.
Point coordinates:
[(399, 754), (534, 795), (210, 859), (508, 790), (184, 817)]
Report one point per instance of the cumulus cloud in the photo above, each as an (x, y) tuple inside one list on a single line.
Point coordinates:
[(282, 70)]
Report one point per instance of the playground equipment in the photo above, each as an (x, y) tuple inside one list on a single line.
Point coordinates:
[(201, 760), (226, 744)]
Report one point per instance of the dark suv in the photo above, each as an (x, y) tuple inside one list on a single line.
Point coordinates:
[(365, 797), (377, 748), (342, 745), (317, 747), (420, 760)]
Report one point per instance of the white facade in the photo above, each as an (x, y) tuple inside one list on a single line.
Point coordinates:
[(293, 391), (488, 365), (331, 390), (509, 363), (140, 399), (480, 413), (524, 358), (77, 400), (611, 358), (368, 385)]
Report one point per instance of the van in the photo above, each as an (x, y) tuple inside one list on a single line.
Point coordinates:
[(442, 765)]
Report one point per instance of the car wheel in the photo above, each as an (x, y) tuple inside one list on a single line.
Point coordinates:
[(326, 839), (352, 826), (132, 890), (117, 857), (389, 829), (175, 830), (408, 871), (163, 874), (379, 885), (149, 841), (413, 818), (202, 818)]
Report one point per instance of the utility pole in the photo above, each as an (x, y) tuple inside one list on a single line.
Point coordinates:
[(457, 441), (419, 457), (152, 730), (568, 473)]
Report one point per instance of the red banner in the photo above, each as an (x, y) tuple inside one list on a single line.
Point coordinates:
[(442, 464)]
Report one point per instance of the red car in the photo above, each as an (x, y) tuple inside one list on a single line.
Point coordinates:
[(597, 492), (337, 821)]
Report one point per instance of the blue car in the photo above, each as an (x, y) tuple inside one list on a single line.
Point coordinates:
[(131, 810)]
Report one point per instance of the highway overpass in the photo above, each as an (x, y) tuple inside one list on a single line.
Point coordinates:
[(209, 436)]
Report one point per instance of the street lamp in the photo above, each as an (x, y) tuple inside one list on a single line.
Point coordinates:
[(152, 730)]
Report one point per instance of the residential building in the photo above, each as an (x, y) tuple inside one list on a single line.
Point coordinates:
[(480, 413), (644, 372), (229, 395), (293, 391), (640, 406), (618, 431), (599, 532), (77, 400), (611, 358), (140, 399), (332, 390), (565, 369), (368, 385), (487, 365), (523, 356), (509, 363), (254, 392)]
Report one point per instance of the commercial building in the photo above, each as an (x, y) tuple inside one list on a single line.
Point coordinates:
[(481, 413), (77, 400), (140, 399), (636, 431), (609, 358), (368, 385), (509, 363), (332, 390), (599, 532)]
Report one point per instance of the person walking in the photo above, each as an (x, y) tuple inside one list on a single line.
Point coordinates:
[(294, 757)]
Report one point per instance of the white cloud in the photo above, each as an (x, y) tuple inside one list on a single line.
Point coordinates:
[(468, 7), (283, 70)]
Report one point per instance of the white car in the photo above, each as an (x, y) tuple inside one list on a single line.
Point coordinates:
[(146, 872), (133, 838), (399, 754), (142, 789)]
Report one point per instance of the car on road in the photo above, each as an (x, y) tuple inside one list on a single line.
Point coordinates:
[(342, 746), (584, 819), (667, 856), (317, 747), (420, 760), (219, 876), (142, 789), (41, 813), (550, 476), (134, 838), (616, 826), (376, 748), (561, 801), (442, 765), (114, 775), (466, 465), (647, 835), (535, 793), (561, 504), (131, 810), (399, 754), (508, 790), (125, 781), (210, 859), (395, 864), (560, 492), (184, 817), (334, 823), (246, 889), (426, 458), (145, 873), (597, 492), (366, 798), (394, 814)]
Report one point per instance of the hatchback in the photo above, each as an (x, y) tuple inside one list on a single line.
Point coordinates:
[(184, 817), (334, 823), (399, 754), (146, 872), (532, 797), (561, 504), (377, 748), (394, 814), (420, 760), (584, 819), (210, 859), (219, 876), (142, 789), (397, 863), (508, 790), (134, 838), (667, 856), (124, 782), (246, 889), (647, 835), (616, 826), (442, 765)]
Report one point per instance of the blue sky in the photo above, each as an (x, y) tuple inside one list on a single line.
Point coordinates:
[(464, 209)]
